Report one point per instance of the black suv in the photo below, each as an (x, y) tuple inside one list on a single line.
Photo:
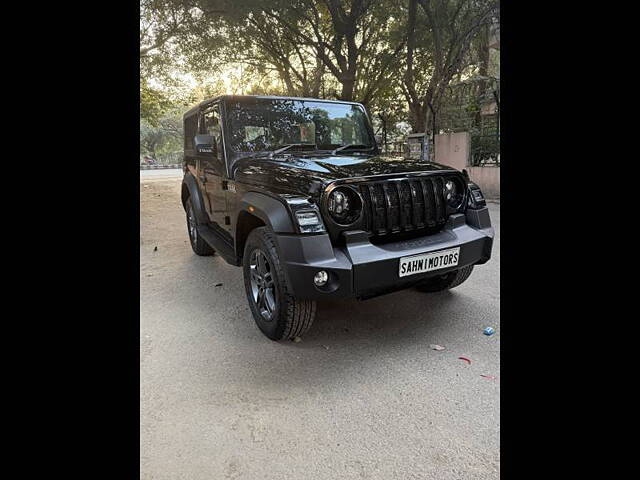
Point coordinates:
[(296, 192)]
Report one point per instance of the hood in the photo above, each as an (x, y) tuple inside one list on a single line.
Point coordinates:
[(308, 173)]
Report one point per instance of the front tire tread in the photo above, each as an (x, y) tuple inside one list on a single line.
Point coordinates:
[(295, 315)]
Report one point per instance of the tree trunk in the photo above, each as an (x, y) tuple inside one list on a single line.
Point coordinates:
[(418, 116), (348, 82), (285, 76), (483, 69), (316, 83)]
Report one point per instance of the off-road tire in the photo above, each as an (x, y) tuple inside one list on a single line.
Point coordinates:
[(447, 281), (198, 244), (291, 317)]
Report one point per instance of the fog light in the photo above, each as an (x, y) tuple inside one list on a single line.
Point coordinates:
[(321, 278)]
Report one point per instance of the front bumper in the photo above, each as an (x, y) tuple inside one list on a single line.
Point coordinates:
[(361, 269)]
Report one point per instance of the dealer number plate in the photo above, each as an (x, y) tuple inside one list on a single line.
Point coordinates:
[(428, 262)]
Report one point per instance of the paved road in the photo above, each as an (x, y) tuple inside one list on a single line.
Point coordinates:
[(164, 173), (362, 396)]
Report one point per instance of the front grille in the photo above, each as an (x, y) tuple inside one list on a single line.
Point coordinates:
[(407, 205)]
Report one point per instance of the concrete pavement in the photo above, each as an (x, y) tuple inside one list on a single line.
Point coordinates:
[(362, 396)]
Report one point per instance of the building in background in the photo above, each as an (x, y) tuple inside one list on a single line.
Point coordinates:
[(468, 125)]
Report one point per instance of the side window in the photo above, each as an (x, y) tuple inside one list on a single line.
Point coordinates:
[(210, 125), (190, 130)]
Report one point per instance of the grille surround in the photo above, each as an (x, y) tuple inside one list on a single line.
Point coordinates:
[(407, 205)]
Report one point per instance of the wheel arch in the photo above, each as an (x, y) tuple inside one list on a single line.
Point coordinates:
[(247, 222), (258, 210), (270, 210), (190, 189)]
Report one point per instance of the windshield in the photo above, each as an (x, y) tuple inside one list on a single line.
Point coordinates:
[(267, 125)]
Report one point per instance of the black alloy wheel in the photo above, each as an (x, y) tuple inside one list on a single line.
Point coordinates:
[(262, 286)]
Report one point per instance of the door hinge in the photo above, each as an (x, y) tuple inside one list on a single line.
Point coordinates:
[(227, 220)]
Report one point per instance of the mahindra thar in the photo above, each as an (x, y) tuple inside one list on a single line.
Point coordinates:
[(296, 192)]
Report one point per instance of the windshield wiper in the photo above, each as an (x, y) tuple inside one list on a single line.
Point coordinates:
[(290, 145), (343, 147)]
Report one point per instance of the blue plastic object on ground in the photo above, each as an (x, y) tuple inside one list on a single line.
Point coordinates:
[(489, 331)]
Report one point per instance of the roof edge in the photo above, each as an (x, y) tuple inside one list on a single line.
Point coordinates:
[(263, 97)]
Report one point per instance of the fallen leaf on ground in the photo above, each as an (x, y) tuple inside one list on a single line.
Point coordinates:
[(433, 346), (465, 359), (326, 348), (490, 377), (297, 340), (218, 285), (155, 249)]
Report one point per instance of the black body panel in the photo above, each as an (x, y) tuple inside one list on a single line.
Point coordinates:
[(271, 211), (362, 269), (191, 185), (404, 212), (307, 174)]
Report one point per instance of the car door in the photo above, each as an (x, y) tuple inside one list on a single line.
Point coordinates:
[(212, 167)]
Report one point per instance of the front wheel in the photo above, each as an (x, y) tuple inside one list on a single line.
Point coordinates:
[(278, 314), (446, 281)]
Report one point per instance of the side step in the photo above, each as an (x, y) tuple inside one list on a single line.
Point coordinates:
[(219, 244)]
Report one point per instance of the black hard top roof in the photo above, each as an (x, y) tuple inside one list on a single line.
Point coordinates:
[(204, 103)]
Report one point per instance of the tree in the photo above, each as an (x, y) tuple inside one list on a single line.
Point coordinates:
[(398, 58), (245, 35), (154, 103), (348, 37), (150, 139), (164, 137), (310, 45), (162, 21), (439, 35)]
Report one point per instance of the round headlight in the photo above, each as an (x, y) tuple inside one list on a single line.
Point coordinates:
[(344, 205), (453, 192)]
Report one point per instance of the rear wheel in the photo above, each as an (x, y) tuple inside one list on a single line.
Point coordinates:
[(278, 314), (447, 281), (199, 246)]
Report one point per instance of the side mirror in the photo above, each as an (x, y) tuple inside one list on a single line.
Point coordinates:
[(205, 144)]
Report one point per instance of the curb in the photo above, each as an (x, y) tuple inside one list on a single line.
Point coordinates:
[(159, 167)]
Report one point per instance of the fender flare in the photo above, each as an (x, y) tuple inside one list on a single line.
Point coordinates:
[(271, 211), (194, 192)]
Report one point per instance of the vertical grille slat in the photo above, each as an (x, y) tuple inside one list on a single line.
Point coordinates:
[(391, 209), (404, 205), (438, 186), (379, 207), (396, 206), (368, 211), (429, 202), (418, 212)]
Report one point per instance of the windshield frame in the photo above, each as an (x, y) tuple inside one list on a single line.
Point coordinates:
[(233, 155)]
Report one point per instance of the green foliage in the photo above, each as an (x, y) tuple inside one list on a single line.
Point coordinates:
[(399, 58), (163, 138), (154, 103)]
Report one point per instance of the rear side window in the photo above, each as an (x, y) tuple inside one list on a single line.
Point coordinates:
[(190, 131), (210, 124)]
